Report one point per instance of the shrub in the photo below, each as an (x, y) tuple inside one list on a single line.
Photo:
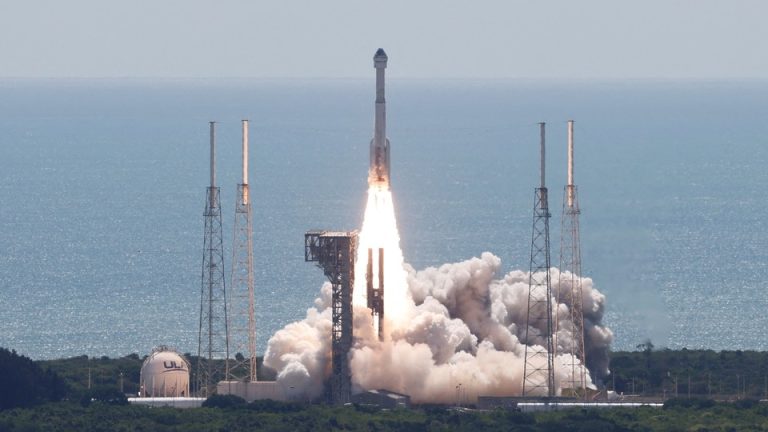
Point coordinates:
[(694, 403), (745, 403), (273, 406), (23, 383), (107, 395), (224, 401)]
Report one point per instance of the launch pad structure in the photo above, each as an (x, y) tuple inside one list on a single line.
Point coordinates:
[(538, 371), (213, 335), (334, 252), (569, 286)]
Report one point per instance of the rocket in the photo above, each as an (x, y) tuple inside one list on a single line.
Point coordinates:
[(378, 172)]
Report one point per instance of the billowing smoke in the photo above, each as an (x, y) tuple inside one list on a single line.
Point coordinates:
[(461, 333)]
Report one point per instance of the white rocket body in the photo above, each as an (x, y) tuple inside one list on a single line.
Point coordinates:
[(378, 172)]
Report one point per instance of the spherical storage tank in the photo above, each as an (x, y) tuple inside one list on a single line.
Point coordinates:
[(165, 373)]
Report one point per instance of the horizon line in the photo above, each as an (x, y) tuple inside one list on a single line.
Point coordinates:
[(396, 78)]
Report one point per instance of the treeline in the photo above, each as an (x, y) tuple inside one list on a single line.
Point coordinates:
[(88, 394), (83, 379), (699, 373), (648, 372), (82, 373), (23, 383), (677, 415)]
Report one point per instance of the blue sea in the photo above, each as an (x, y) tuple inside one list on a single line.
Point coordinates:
[(102, 189)]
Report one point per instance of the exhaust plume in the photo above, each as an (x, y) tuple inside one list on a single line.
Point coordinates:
[(459, 334)]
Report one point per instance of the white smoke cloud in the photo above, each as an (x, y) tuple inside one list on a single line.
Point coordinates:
[(459, 336)]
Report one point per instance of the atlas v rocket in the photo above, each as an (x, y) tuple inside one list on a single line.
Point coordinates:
[(378, 176), (378, 172)]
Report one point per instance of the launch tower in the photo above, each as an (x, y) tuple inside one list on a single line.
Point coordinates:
[(335, 252), (538, 372), (213, 336), (569, 285), (242, 319)]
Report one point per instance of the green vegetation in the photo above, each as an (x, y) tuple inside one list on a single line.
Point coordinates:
[(82, 372), (224, 401), (84, 394), (718, 375), (273, 416), (648, 372), (23, 383)]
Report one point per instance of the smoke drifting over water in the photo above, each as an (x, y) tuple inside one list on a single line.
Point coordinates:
[(449, 332)]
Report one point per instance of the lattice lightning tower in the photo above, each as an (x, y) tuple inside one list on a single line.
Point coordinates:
[(539, 372), (569, 285), (242, 320), (213, 342)]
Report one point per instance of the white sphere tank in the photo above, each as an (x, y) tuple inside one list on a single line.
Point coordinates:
[(165, 373)]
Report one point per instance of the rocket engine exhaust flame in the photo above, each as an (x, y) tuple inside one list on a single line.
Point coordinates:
[(376, 294), (379, 233)]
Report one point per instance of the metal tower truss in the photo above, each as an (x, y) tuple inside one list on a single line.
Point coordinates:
[(569, 284), (334, 252), (538, 372), (243, 324), (376, 294), (213, 347), (241, 288), (570, 294), (213, 341)]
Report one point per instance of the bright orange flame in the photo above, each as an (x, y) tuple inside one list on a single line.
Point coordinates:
[(380, 231)]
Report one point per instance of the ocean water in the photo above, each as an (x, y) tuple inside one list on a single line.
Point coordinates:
[(102, 188)]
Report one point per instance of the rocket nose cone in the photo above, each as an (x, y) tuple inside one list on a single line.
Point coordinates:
[(380, 59)]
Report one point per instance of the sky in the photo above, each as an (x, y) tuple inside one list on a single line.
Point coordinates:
[(490, 39)]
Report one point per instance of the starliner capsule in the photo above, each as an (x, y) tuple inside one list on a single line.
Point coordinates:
[(378, 172)]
